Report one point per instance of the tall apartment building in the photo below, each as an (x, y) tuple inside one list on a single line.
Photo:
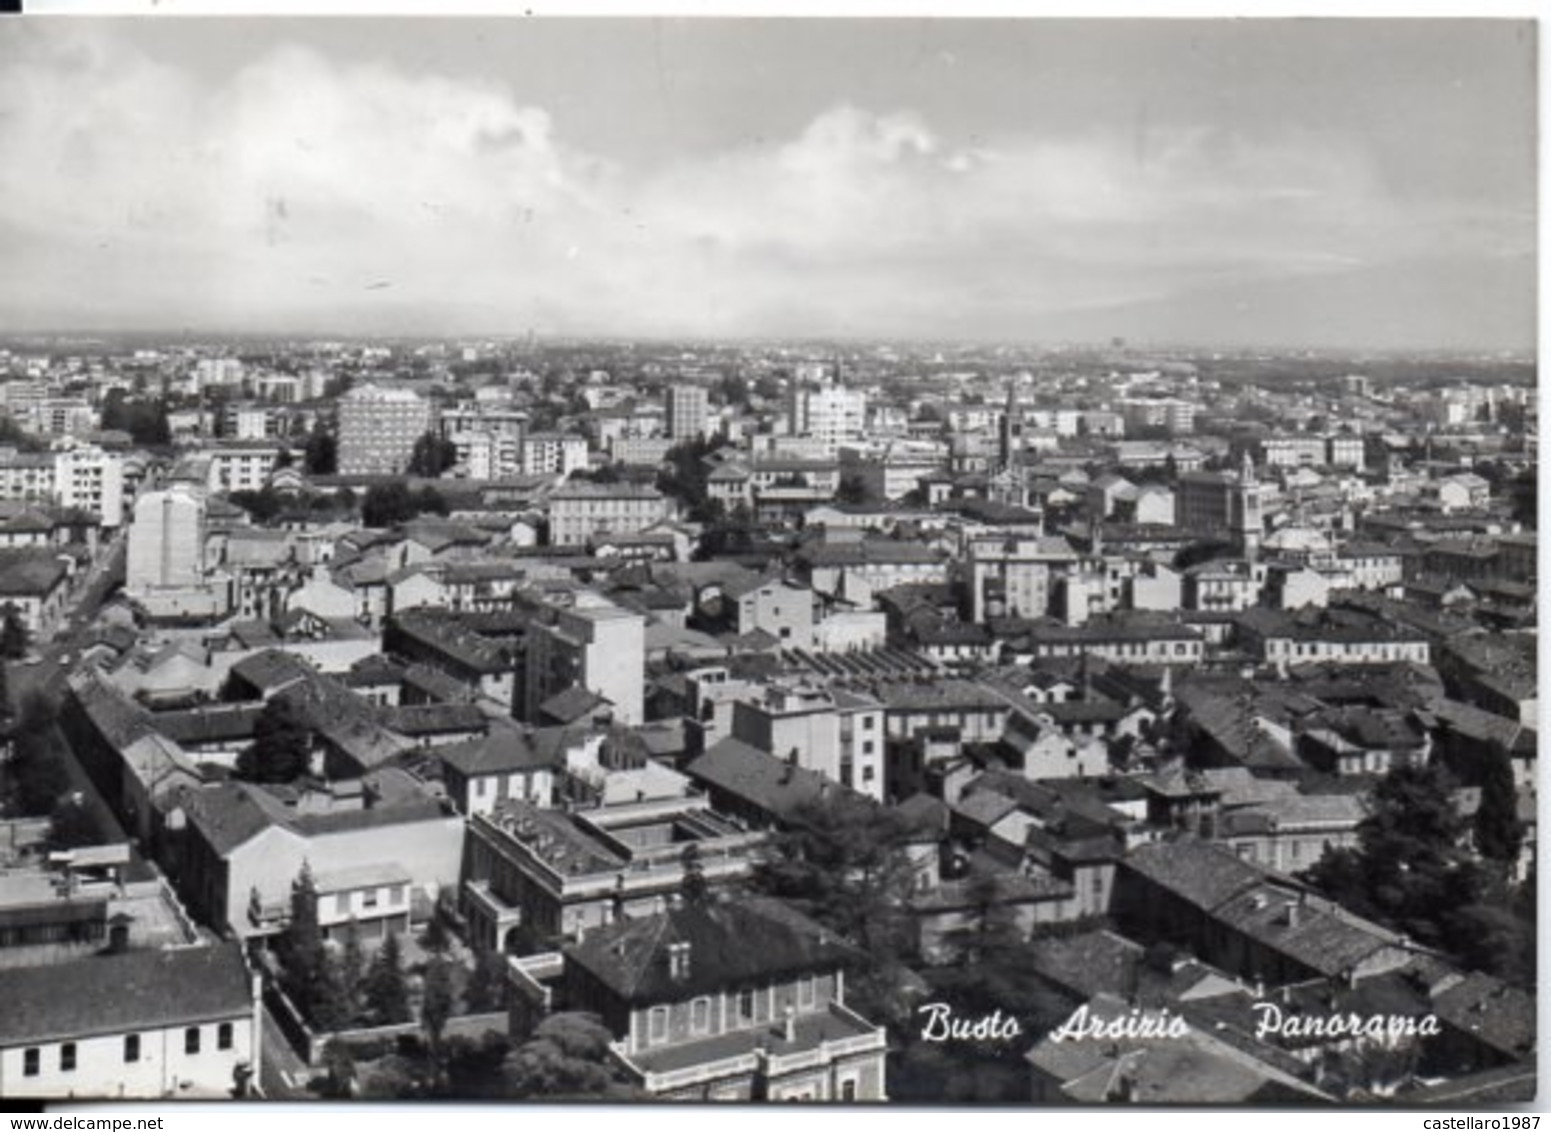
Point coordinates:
[(167, 540), (689, 411), (1170, 413), (832, 414), (600, 648), (488, 439), (93, 480), (378, 428)]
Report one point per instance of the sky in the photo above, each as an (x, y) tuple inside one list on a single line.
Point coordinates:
[(1305, 183)]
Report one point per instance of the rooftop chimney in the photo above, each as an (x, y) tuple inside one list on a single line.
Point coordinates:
[(678, 960)]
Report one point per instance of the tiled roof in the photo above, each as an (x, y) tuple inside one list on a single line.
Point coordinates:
[(731, 944), (124, 993)]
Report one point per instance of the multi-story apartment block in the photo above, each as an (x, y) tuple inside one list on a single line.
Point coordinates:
[(242, 465), (601, 648), (553, 454), (689, 410), (378, 428), (835, 732), (91, 479), (534, 877), (1169, 413), (1012, 577), (581, 512), (831, 414)]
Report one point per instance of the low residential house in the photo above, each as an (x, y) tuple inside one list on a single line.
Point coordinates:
[(510, 762), (737, 999), (1321, 636), (1292, 832), (1246, 919), (485, 667), (166, 1023), (369, 902), (36, 585), (1136, 638), (1364, 740)]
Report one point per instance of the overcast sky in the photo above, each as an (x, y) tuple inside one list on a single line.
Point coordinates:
[(1327, 183)]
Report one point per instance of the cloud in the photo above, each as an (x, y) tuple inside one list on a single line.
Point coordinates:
[(275, 198)]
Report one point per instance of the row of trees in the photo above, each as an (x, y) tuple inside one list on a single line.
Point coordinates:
[(337, 988), (144, 418), (37, 781)]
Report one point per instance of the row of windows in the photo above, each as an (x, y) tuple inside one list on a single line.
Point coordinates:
[(743, 1011), (32, 1057)]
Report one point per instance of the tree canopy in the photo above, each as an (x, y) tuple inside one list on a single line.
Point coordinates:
[(281, 750)]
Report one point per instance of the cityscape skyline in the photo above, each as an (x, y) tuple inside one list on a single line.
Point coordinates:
[(1367, 185)]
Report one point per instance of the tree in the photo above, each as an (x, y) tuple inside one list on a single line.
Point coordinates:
[(37, 770), (1205, 550), (387, 990), (843, 860), (853, 489), (567, 1056), (310, 977), (990, 934), (485, 991), (430, 502), (1498, 831), (14, 637), (263, 505), (435, 938), (6, 713), (694, 888), (340, 1070), (432, 455), (71, 825), (388, 504), (1410, 869), (320, 456), (436, 1002), (281, 750), (352, 972)]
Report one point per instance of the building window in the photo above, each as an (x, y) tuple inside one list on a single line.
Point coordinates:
[(131, 1047), (700, 1015), (30, 1062), (657, 1024), (223, 1036), (67, 1058), (848, 1088), (807, 991), (746, 1006), (342, 904), (868, 774), (369, 898), (869, 722), (191, 1040)]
